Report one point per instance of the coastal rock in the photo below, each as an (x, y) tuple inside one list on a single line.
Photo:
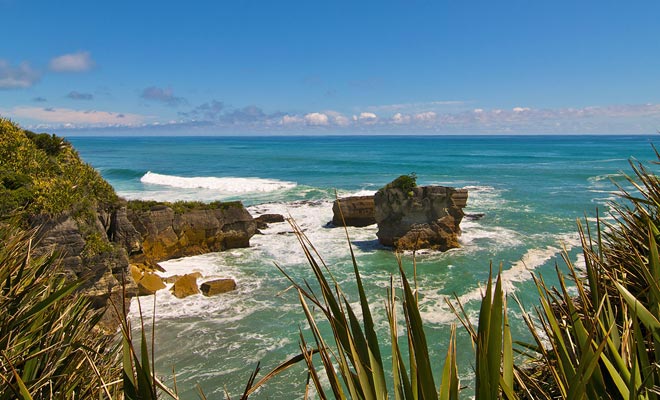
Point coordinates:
[(166, 233), (265, 219), (356, 210), (88, 254), (185, 286), (217, 286), (425, 217), (149, 284), (174, 278), (474, 217), (122, 231)]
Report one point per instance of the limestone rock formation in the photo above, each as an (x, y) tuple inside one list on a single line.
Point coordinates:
[(356, 210), (88, 254), (217, 286), (425, 217), (167, 233), (185, 286)]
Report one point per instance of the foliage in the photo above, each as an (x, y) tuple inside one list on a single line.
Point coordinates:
[(404, 182), (95, 244), (43, 174), (48, 349), (51, 144), (181, 207)]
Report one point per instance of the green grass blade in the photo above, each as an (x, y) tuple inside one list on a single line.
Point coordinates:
[(422, 363), (450, 382), (644, 315)]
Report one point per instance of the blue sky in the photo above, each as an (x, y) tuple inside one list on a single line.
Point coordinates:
[(312, 67)]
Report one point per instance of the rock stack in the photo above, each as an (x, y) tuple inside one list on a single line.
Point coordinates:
[(426, 217)]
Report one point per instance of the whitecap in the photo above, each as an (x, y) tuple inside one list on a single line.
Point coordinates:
[(227, 185)]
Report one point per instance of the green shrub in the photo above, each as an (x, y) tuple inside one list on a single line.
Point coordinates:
[(180, 207), (50, 173), (50, 144), (404, 182)]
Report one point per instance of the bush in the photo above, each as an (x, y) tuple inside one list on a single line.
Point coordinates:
[(52, 177), (50, 144), (404, 182)]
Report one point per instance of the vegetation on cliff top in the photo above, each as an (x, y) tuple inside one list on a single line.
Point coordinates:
[(404, 182), (180, 207), (43, 174)]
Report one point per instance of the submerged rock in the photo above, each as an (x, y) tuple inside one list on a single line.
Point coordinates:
[(217, 286), (356, 210), (415, 218)]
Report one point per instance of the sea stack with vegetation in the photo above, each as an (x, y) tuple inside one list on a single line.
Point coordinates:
[(412, 217)]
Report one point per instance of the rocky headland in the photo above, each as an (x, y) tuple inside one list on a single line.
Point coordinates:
[(44, 185), (183, 229)]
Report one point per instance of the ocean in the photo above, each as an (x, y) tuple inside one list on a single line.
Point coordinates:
[(531, 190)]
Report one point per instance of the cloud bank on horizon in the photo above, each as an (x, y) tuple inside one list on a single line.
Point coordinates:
[(304, 68)]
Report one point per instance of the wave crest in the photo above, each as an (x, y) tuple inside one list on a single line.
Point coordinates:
[(224, 185)]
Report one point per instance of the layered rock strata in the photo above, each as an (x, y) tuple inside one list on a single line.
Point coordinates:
[(356, 211), (426, 217), (166, 233)]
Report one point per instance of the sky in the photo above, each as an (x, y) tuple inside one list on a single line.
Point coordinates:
[(331, 67)]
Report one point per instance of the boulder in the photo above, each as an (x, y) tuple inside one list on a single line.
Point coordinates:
[(217, 286), (174, 278), (415, 218), (149, 284), (185, 286), (356, 210), (265, 219)]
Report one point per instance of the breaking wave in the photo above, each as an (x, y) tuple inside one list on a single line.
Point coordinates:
[(224, 184)]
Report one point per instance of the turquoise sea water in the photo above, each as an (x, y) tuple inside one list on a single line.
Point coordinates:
[(530, 188)]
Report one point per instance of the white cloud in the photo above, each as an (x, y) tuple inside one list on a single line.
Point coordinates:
[(368, 118), (291, 120), (341, 120), (399, 118), (521, 109), (74, 62), (428, 116), (22, 76), (337, 118), (316, 119), (70, 117)]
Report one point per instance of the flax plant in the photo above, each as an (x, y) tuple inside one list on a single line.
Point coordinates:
[(47, 346)]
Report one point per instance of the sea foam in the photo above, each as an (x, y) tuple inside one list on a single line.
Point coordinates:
[(224, 184)]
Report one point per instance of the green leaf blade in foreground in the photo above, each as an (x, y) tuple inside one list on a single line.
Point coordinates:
[(425, 383)]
